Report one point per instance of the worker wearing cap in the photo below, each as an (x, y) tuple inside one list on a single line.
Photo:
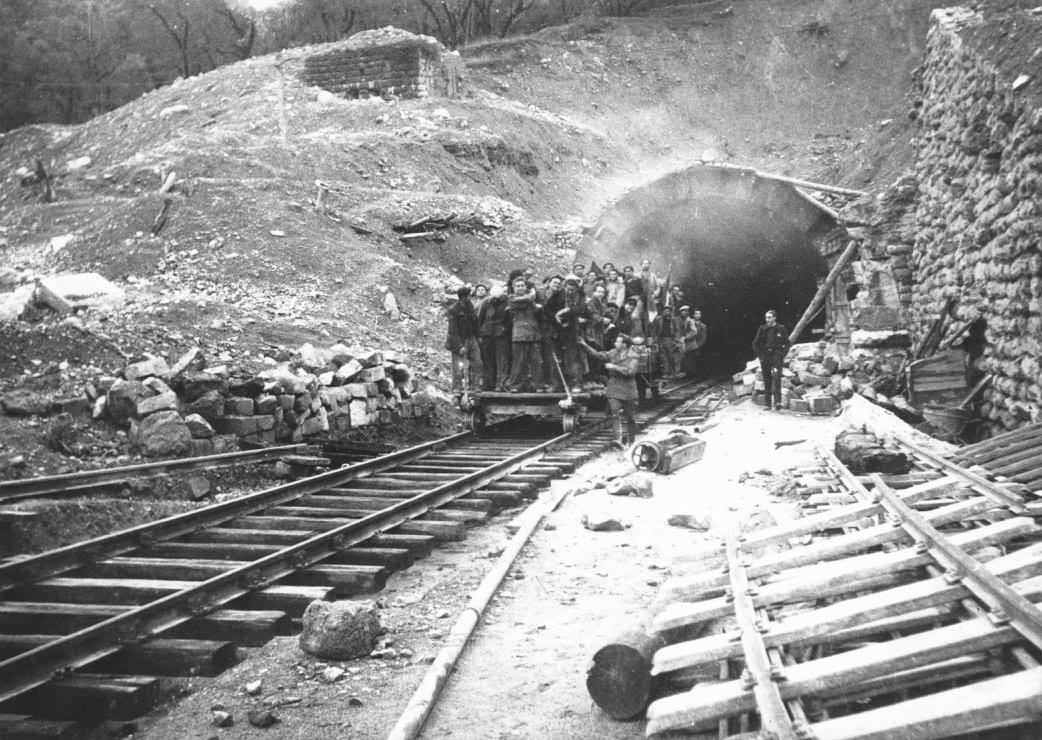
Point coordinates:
[(621, 364)]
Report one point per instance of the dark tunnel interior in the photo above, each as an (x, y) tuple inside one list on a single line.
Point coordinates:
[(734, 261)]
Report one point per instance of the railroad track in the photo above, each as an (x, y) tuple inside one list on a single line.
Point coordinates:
[(88, 481), (900, 609), (87, 629)]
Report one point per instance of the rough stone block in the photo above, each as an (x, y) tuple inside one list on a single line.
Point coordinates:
[(286, 401), (302, 402), (370, 374), (822, 405), (210, 406), (161, 433), (265, 404), (199, 426), (151, 404), (240, 425), (146, 368), (235, 406)]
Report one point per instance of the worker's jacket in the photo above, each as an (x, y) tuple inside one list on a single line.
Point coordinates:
[(463, 325), (522, 314), (771, 341), (572, 317), (622, 376), (701, 333), (597, 320), (662, 332), (494, 318)]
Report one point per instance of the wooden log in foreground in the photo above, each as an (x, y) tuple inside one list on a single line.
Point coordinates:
[(620, 679)]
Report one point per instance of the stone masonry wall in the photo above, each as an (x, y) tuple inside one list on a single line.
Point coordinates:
[(386, 62), (979, 206)]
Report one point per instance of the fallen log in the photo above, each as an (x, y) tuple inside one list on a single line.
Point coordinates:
[(620, 679)]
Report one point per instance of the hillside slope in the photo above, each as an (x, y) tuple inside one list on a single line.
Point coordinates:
[(554, 126)]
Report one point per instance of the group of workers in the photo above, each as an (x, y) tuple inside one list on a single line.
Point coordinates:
[(577, 332)]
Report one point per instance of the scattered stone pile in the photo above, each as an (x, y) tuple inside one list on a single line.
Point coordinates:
[(190, 408), (386, 61), (817, 376)]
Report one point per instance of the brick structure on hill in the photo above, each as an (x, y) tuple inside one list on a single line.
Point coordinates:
[(386, 62)]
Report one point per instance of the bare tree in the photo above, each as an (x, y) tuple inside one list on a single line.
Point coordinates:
[(451, 18), (515, 10), (244, 28), (178, 27)]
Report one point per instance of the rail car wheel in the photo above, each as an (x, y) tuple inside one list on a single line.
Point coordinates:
[(474, 421), (572, 421)]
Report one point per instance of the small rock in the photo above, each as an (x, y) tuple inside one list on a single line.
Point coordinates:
[(262, 718), (602, 522), (354, 701), (699, 522), (194, 488), (332, 674), (253, 688), (222, 719)]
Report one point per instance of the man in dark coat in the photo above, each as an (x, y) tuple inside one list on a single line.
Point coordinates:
[(664, 342), (526, 355), (462, 342), (635, 287), (621, 391), (494, 338), (771, 345), (571, 320)]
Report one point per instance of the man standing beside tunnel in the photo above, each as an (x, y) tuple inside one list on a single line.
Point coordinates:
[(771, 345)]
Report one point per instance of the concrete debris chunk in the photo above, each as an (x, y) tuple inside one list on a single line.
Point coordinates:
[(66, 293), (152, 404), (638, 485), (340, 630), (14, 304)]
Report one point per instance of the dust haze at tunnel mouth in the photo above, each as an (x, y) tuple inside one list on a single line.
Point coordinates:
[(737, 244)]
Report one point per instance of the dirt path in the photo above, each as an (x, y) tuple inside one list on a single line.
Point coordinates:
[(523, 675)]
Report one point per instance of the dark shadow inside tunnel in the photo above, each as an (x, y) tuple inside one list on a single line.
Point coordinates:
[(734, 260)]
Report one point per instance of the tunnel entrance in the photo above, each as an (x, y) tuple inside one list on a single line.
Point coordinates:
[(736, 243)]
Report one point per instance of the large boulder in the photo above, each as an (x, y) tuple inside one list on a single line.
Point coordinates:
[(161, 433), (146, 368), (862, 453), (340, 630)]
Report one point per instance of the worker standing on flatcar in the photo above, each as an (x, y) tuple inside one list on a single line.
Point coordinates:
[(598, 322), (525, 338), (462, 342), (621, 391), (494, 338), (571, 320), (550, 301)]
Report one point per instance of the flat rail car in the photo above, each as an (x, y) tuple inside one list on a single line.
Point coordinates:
[(572, 409)]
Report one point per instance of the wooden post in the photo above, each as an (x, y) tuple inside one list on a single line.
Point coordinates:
[(620, 680), (819, 298)]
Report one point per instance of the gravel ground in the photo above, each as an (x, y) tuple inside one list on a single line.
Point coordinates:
[(523, 674)]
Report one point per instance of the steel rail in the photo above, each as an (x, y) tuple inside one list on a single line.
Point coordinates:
[(760, 676), (1004, 602), (977, 482), (55, 561), (50, 485), (39, 665)]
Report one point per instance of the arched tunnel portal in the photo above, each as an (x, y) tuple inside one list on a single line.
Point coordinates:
[(736, 242)]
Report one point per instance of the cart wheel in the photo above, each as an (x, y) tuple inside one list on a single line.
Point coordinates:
[(572, 421), (645, 456), (474, 421)]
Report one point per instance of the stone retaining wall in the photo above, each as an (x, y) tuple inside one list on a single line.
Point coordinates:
[(386, 62), (979, 207)]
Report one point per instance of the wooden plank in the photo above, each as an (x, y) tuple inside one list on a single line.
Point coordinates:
[(991, 704), (707, 702), (827, 549), (1020, 568), (714, 555)]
